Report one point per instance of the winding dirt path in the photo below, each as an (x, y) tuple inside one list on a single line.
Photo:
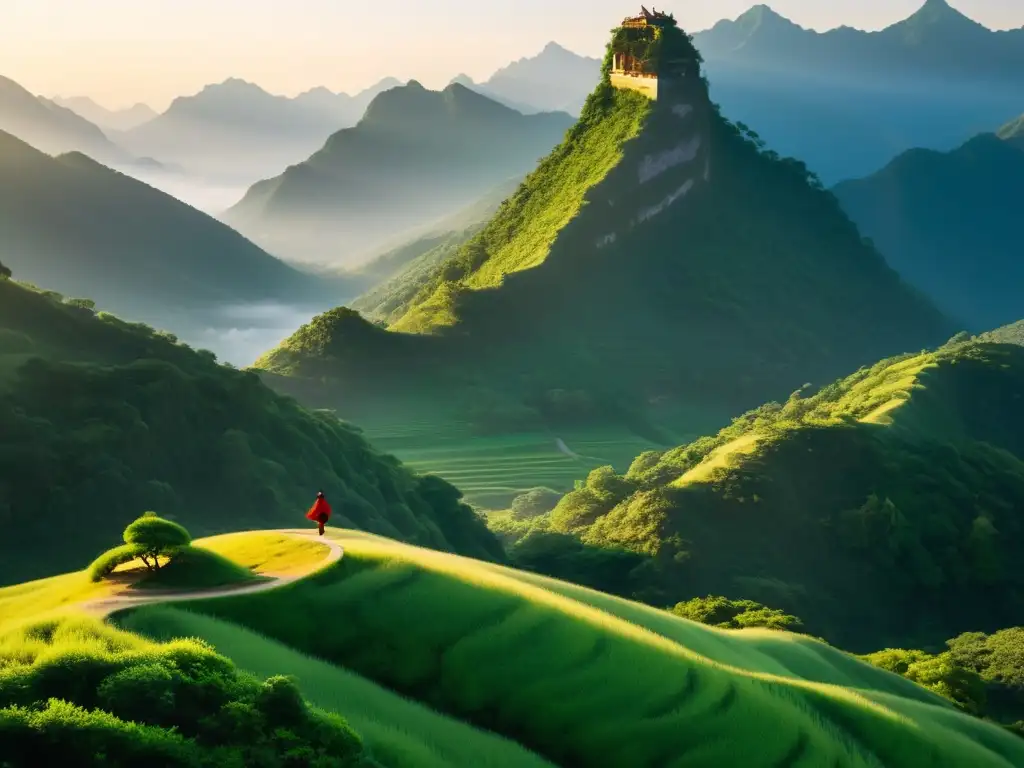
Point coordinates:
[(103, 607)]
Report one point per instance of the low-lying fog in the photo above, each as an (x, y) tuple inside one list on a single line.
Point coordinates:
[(211, 197), (240, 334)]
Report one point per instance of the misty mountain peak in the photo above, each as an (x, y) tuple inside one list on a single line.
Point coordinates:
[(764, 18), (462, 79), (939, 15)]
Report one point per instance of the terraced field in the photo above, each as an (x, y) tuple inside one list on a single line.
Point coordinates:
[(491, 471)]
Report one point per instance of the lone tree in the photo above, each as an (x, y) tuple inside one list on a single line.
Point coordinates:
[(5, 272), (147, 539), (155, 537)]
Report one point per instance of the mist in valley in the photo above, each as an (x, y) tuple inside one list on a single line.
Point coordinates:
[(239, 334)]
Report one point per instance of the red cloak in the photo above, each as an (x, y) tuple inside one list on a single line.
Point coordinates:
[(320, 512)]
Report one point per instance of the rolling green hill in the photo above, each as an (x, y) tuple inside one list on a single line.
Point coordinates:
[(101, 420), (82, 229), (659, 255), (584, 679), (881, 510), (416, 156), (950, 224)]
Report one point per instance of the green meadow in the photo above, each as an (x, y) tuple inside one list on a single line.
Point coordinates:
[(587, 680)]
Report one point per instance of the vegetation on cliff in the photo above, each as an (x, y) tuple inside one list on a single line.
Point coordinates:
[(649, 228)]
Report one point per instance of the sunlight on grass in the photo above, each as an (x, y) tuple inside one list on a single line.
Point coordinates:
[(268, 553), (39, 599), (720, 458), (588, 680)]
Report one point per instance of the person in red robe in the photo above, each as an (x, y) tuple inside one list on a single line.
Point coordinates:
[(320, 512)]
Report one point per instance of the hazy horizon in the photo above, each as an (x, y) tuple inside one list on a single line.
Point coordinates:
[(120, 53)]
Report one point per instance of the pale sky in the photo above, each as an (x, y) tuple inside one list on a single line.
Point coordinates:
[(123, 51)]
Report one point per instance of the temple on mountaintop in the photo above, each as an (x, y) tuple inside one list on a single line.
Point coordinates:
[(639, 54)]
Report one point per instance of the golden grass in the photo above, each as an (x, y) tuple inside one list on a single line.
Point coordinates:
[(268, 553), (721, 458)]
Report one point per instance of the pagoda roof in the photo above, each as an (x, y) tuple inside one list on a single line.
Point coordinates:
[(647, 17)]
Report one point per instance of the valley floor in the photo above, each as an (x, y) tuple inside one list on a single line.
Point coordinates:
[(491, 470)]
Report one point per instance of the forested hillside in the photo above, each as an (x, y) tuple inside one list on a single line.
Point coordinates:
[(882, 509), (102, 419)]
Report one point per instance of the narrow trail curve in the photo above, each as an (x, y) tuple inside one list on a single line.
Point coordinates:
[(103, 607)]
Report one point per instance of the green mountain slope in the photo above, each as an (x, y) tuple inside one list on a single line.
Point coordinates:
[(881, 510), (101, 420), (657, 255), (82, 229), (416, 156), (950, 224), (396, 275), (605, 682)]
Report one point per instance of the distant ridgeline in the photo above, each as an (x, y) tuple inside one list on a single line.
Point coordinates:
[(659, 253)]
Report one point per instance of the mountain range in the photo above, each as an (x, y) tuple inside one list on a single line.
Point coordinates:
[(527, 84), (935, 43), (654, 226), (415, 156), (107, 119), (85, 230), (236, 132), (876, 94), (950, 223), (50, 127)]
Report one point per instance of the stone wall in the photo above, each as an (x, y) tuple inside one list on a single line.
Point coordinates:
[(648, 86)]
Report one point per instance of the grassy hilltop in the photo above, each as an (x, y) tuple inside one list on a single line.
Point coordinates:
[(101, 419), (408, 678), (584, 679), (660, 257), (881, 509)]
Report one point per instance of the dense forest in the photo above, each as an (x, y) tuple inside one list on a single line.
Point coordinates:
[(881, 509), (101, 420)]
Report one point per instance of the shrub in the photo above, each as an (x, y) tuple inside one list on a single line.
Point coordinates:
[(105, 564), (735, 614), (534, 503), (5, 272), (87, 304), (76, 692)]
